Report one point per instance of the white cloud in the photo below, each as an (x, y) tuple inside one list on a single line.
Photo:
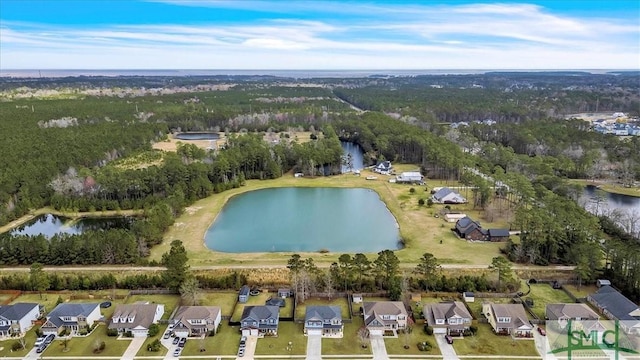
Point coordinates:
[(383, 37)]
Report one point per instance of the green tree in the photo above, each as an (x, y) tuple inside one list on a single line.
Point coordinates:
[(503, 266), (38, 278), (190, 291), (428, 267), (176, 263), (386, 267)]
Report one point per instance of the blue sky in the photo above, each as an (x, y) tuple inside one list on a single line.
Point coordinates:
[(248, 34)]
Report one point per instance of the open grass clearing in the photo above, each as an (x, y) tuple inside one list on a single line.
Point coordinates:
[(290, 341), (583, 292), (543, 294), (349, 343), (485, 342), (259, 299), (84, 346), (342, 302), (419, 228), (170, 302), (225, 300), (6, 345), (163, 350)]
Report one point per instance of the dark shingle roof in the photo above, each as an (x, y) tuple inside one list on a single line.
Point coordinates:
[(615, 303), (244, 290), (72, 310), (321, 313), (499, 232), (258, 313), (16, 311)]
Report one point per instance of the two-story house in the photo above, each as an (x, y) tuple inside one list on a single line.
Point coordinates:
[(260, 320), (451, 318), (381, 316), (196, 320), (72, 317), (323, 320), (136, 318), (508, 319), (16, 319)]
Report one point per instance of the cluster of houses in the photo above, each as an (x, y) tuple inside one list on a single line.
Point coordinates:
[(619, 129), (468, 229)]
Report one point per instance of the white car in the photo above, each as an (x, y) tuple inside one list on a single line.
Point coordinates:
[(39, 341), (177, 352)]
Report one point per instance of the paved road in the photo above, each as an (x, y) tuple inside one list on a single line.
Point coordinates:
[(377, 347), (447, 350), (133, 348), (314, 347)]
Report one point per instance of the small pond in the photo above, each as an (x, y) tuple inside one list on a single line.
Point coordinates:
[(352, 153), (49, 225), (593, 198), (197, 136), (304, 220)]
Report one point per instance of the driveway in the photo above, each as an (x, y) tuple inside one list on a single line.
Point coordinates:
[(134, 347), (542, 345), (377, 348), (250, 348), (314, 347), (32, 355), (447, 350)]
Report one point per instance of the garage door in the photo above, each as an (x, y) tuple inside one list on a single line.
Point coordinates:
[(314, 332), (250, 332), (440, 330), (376, 332)]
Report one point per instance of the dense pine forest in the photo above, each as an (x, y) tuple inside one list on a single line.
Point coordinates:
[(66, 141)]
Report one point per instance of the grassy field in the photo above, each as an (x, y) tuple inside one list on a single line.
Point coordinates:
[(395, 346), (301, 309), (476, 306), (543, 294), (349, 344), (163, 350), (252, 301), (83, 346), (225, 300), (420, 229), (485, 342), (583, 292), (290, 341), (5, 345), (170, 302)]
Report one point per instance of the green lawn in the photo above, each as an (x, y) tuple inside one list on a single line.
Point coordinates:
[(485, 342), (5, 298), (342, 302), (49, 300), (395, 346), (476, 306), (252, 301), (163, 350), (349, 344), (5, 346), (225, 300), (288, 332), (287, 310), (83, 346), (170, 302), (225, 342), (543, 294), (583, 292)]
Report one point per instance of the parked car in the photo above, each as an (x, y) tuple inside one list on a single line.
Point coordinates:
[(39, 341), (176, 340), (41, 348), (106, 304), (49, 339), (449, 339), (542, 331), (182, 342), (241, 352), (177, 352), (243, 340), (167, 334)]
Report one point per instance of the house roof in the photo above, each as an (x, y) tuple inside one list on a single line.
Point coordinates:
[(466, 225), (16, 311), (571, 311), (468, 294), (143, 315), (445, 310), (279, 302), (186, 313), (375, 310), (259, 313), (385, 165), (322, 313), (615, 303), (70, 310), (498, 232), (244, 290), (442, 193), (514, 311)]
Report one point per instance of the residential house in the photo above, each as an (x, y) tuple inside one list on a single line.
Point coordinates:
[(260, 320), (508, 319), (72, 317), (284, 293), (620, 129), (243, 295), (451, 318), (468, 229), (410, 177), (196, 320), (380, 316), (136, 318), (16, 319), (383, 168), (496, 235), (634, 130), (323, 320), (616, 306), (559, 315), (447, 196)]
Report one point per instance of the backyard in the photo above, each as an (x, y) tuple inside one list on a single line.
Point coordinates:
[(583, 292), (290, 341), (170, 302), (543, 294), (225, 300), (338, 301), (259, 299), (485, 342)]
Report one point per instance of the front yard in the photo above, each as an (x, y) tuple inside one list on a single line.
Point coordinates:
[(485, 342), (6, 345), (290, 341), (349, 344), (163, 350), (396, 346), (84, 346), (225, 342)]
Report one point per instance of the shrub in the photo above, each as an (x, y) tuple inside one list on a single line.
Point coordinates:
[(473, 329), (428, 330), (16, 346), (424, 346), (128, 334), (421, 202), (154, 345), (412, 191), (154, 329), (112, 332), (99, 347), (466, 332)]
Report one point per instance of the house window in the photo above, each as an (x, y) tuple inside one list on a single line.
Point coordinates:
[(440, 321), (66, 318), (504, 319)]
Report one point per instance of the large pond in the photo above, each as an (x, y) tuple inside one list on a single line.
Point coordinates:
[(197, 136), (304, 220), (352, 153), (596, 200), (49, 225)]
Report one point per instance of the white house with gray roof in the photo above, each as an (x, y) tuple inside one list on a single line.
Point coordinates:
[(73, 317), (16, 319), (196, 320), (447, 196), (136, 318), (323, 320), (380, 316), (451, 318)]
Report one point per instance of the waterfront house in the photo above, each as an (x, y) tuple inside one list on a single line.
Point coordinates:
[(383, 168), (468, 229), (410, 177), (323, 320)]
